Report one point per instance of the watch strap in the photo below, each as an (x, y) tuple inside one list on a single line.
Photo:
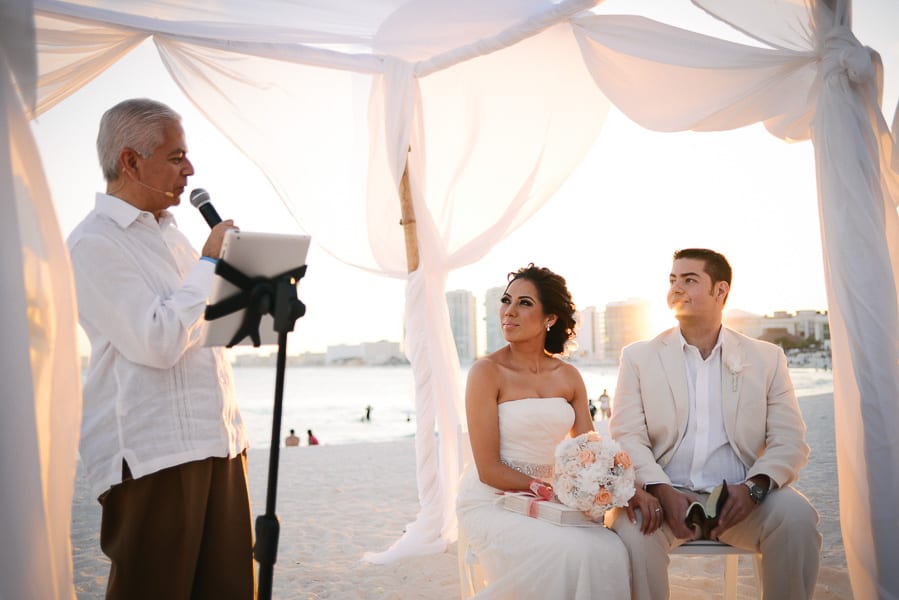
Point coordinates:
[(756, 492)]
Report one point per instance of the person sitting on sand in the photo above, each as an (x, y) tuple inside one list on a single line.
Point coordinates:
[(293, 439)]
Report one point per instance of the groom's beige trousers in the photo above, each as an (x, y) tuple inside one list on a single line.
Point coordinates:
[(784, 529)]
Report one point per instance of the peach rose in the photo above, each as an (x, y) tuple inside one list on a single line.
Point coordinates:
[(623, 459), (586, 457), (603, 497)]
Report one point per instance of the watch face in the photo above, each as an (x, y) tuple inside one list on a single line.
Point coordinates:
[(757, 493)]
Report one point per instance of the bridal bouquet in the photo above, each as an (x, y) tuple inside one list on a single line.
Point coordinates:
[(593, 474)]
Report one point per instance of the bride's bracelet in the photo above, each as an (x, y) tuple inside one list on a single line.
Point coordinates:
[(541, 489)]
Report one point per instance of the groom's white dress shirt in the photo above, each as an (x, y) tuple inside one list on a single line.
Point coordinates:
[(704, 456)]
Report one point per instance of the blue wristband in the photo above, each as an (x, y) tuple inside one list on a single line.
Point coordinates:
[(210, 259)]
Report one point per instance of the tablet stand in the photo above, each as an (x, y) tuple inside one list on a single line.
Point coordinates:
[(259, 296)]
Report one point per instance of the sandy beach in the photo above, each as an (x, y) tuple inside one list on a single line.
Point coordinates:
[(337, 502)]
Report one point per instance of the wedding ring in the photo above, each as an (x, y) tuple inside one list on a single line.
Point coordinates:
[(659, 509)]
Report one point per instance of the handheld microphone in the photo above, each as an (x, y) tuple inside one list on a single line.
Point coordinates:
[(200, 199)]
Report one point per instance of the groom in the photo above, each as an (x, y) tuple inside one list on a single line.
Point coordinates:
[(700, 404)]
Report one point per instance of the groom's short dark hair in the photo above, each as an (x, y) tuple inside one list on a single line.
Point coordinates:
[(716, 265)]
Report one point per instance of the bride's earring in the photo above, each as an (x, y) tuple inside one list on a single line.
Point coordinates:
[(548, 327)]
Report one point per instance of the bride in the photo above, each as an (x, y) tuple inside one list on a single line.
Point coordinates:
[(521, 401)]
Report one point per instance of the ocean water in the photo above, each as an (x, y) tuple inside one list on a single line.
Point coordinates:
[(331, 401)]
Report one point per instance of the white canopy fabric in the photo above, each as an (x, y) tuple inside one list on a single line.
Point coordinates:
[(816, 82), (490, 106), (479, 164), (38, 362)]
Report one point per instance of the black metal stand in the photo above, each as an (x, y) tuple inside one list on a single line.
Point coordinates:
[(268, 527), (258, 296)]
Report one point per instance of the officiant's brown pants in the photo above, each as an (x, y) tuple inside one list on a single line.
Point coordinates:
[(183, 532), (784, 529)]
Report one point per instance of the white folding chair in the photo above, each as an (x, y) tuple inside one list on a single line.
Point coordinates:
[(731, 561)]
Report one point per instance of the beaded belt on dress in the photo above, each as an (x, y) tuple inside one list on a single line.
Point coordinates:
[(530, 469)]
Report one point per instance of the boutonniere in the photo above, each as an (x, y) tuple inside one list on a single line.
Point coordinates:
[(735, 367)]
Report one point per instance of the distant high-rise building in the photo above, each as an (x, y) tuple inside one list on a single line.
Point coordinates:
[(366, 353), (625, 322), (463, 321), (599, 327), (589, 334), (804, 325), (813, 325), (495, 339), (743, 322)]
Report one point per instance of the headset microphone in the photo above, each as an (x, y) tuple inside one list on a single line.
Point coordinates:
[(152, 189), (167, 194)]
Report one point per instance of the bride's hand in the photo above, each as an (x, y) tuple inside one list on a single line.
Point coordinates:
[(541, 489), (651, 509)]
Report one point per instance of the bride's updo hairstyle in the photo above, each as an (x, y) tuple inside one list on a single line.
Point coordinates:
[(553, 294)]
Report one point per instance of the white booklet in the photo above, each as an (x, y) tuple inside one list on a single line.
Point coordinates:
[(546, 510)]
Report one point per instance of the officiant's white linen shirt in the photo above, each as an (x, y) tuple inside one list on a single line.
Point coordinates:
[(153, 395)]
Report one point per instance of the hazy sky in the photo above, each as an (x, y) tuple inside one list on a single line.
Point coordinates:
[(610, 230)]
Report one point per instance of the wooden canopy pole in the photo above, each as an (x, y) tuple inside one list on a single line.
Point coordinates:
[(408, 220)]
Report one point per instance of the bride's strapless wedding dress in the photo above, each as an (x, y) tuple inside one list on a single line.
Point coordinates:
[(523, 557)]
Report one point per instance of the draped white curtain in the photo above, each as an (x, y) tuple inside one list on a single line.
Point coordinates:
[(813, 80), (490, 106), (858, 192), (334, 112), (38, 361)]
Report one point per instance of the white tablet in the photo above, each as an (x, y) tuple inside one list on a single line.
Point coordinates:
[(255, 255)]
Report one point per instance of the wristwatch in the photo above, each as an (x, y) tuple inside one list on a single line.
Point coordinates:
[(756, 492)]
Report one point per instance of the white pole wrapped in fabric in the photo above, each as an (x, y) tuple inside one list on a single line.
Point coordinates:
[(860, 232), (437, 401), (815, 80), (395, 106), (38, 358), (462, 208)]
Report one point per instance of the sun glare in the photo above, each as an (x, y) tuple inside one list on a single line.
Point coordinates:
[(660, 318)]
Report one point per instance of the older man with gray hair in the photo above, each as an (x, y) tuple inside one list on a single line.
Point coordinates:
[(162, 441)]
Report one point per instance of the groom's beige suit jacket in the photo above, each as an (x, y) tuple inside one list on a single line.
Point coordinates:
[(761, 414)]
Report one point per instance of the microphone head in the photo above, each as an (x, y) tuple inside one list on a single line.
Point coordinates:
[(198, 197)]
